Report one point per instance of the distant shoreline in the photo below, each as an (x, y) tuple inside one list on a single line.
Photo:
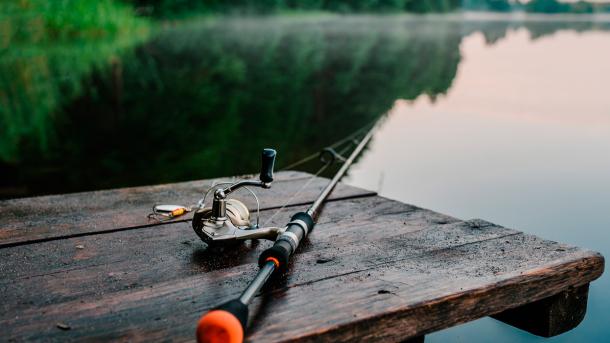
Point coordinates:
[(473, 16), (528, 16)]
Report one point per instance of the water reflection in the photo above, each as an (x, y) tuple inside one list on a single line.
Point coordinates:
[(45, 52), (520, 139), (197, 100)]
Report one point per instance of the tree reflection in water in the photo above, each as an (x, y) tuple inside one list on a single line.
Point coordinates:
[(201, 99)]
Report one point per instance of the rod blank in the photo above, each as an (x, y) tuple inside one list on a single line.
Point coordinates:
[(257, 283), (232, 328)]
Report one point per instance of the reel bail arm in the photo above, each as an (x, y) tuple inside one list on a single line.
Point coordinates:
[(265, 179)]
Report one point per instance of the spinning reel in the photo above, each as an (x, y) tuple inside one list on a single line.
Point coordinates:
[(228, 220)]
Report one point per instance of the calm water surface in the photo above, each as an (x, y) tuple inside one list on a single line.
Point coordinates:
[(503, 120), (522, 138)]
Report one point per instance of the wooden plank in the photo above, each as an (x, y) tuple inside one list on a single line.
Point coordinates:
[(121, 260), (550, 316), (388, 271), (30, 220), (365, 305), (388, 304)]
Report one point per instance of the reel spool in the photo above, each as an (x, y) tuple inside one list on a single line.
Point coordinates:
[(237, 213)]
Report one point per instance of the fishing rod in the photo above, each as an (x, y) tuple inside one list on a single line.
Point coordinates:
[(228, 322)]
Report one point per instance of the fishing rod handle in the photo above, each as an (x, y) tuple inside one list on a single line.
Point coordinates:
[(286, 243), (268, 160), (225, 323)]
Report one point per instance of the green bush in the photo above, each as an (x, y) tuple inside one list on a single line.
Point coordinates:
[(171, 8), (52, 20), (46, 48)]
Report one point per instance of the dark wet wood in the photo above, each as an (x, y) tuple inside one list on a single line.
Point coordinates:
[(372, 270), (550, 316), (418, 339), (57, 216)]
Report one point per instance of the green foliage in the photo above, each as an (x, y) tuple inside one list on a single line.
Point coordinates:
[(554, 6), (46, 48), (487, 5), (294, 85), (172, 8), (202, 100), (536, 6), (547, 6), (42, 20), (69, 78)]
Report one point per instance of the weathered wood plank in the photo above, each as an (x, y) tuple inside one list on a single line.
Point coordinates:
[(388, 271), (382, 303), (121, 260), (550, 316), (51, 217)]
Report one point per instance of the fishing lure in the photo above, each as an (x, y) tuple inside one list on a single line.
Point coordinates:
[(167, 212)]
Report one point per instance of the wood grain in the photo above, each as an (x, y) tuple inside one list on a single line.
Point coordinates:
[(44, 218), (380, 303), (372, 270), (122, 260)]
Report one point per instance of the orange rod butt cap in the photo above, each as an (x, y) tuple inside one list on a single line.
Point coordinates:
[(219, 326)]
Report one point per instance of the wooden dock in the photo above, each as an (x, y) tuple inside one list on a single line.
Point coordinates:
[(91, 266)]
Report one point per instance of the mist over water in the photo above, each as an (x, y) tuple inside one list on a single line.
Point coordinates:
[(496, 117)]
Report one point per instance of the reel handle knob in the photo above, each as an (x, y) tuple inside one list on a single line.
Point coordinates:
[(268, 160)]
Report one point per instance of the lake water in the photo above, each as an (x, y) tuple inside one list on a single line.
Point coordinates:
[(501, 118), (521, 138)]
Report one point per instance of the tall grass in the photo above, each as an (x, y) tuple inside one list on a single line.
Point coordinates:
[(46, 48), (35, 21)]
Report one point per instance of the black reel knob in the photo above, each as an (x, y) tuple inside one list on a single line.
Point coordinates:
[(268, 160)]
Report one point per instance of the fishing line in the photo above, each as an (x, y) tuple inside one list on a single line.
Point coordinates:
[(164, 213), (316, 174), (295, 194), (228, 322), (333, 145)]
